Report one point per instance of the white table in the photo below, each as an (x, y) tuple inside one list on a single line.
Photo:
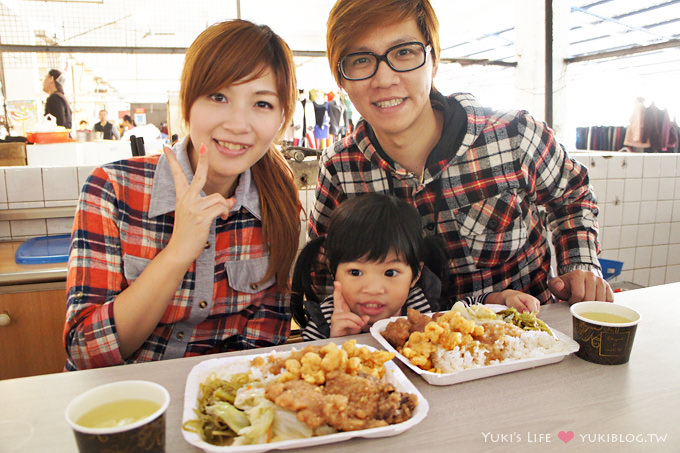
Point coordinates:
[(631, 407)]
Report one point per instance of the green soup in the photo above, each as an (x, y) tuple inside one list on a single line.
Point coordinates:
[(118, 413), (605, 317)]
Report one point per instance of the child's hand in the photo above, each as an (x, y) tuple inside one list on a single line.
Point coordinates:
[(522, 302), (343, 321)]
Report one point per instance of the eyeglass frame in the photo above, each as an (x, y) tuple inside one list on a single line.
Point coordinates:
[(426, 49)]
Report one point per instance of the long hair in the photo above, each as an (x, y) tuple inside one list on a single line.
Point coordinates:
[(56, 75), (369, 227), (348, 16), (241, 51)]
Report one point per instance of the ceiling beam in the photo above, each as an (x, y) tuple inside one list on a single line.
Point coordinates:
[(623, 52)]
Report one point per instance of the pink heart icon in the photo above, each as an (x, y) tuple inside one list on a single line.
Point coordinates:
[(566, 436)]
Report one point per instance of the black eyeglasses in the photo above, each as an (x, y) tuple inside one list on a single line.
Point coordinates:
[(400, 58)]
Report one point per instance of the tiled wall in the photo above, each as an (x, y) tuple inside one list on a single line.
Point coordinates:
[(639, 200), (33, 187), (638, 195)]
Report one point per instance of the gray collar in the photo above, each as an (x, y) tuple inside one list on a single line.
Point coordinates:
[(163, 190)]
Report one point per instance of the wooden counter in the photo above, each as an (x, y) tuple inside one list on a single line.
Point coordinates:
[(12, 273)]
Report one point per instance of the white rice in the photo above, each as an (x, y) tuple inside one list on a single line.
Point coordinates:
[(529, 345)]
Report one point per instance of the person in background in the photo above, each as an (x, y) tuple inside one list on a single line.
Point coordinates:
[(480, 179), (189, 252), (106, 127), (56, 104), (84, 126), (382, 265), (128, 123)]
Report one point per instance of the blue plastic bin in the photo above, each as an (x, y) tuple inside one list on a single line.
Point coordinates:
[(610, 268), (46, 249)]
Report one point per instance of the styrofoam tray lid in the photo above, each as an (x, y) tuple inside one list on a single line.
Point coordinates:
[(45, 249)]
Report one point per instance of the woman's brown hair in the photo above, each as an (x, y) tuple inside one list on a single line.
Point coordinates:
[(348, 16), (240, 51)]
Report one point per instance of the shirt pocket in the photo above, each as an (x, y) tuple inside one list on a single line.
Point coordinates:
[(493, 229), (245, 275), (133, 266)]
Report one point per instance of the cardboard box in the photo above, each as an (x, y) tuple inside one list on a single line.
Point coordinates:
[(12, 154)]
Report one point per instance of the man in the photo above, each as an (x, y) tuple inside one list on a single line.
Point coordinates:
[(110, 132), (479, 178)]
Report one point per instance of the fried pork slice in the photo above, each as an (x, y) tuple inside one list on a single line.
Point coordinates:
[(417, 320), (301, 397), (397, 332)]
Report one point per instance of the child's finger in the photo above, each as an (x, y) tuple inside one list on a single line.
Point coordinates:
[(339, 303), (181, 183)]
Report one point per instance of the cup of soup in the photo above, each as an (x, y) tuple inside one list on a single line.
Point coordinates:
[(604, 331), (120, 416)]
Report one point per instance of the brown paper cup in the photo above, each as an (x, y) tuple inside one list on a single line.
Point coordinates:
[(602, 342), (144, 435)]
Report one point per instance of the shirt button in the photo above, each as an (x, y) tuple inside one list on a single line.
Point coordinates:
[(430, 226), (493, 223), (180, 335), (207, 245), (79, 295), (203, 304), (253, 286)]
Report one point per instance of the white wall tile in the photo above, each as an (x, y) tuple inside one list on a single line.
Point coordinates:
[(651, 167), (83, 172), (600, 188), (672, 274), (628, 236), (677, 165), (24, 184), (647, 212), (61, 203), (59, 226), (650, 189), (613, 214), (662, 232), (616, 167), (668, 164), (60, 183), (632, 190), (26, 205), (626, 276), (659, 255), (641, 277), (675, 233), (676, 195), (666, 188), (5, 233), (631, 213), (4, 206), (3, 187), (634, 163), (27, 228), (645, 235), (664, 211), (673, 255), (597, 167), (610, 238), (628, 258), (643, 257), (615, 189), (676, 210), (657, 276)]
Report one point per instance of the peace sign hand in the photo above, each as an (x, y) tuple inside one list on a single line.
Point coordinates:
[(344, 321), (194, 213)]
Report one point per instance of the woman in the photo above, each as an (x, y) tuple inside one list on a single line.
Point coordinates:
[(56, 104), (190, 253), (477, 177)]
